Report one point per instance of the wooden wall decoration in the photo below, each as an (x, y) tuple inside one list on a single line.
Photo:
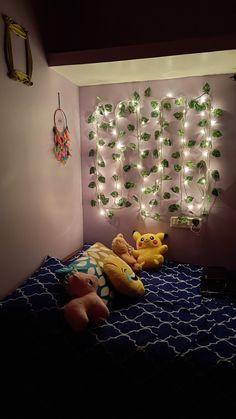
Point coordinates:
[(12, 27)]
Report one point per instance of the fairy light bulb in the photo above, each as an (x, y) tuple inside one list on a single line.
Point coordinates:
[(182, 140), (118, 186), (190, 206), (105, 113), (186, 152), (114, 132), (161, 139), (186, 124), (160, 167), (139, 166), (143, 206), (202, 100), (169, 94), (202, 113), (205, 153), (186, 169), (142, 189), (119, 145), (202, 131), (213, 122), (102, 212)]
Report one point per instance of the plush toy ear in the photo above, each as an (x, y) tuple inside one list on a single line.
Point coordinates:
[(136, 235), (161, 236)]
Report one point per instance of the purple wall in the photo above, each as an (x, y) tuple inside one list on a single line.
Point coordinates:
[(214, 245), (41, 207)]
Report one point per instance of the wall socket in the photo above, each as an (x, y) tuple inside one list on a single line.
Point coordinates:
[(186, 222)]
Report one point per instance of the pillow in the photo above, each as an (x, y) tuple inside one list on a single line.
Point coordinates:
[(99, 252), (87, 264), (123, 278)]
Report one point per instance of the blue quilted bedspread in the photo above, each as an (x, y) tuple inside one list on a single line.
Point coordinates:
[(172, 335)]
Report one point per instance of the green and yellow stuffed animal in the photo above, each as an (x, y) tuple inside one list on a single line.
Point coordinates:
[(150, 249)]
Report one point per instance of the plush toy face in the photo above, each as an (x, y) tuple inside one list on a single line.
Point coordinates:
[(147, 240), (123, 277), (80, 284)]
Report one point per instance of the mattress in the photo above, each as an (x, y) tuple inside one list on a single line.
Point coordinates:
[(172, 340)]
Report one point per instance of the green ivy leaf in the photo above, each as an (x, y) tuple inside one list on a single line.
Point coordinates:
[(128, 167), (115, 156), (153, 203), (121, 133), (216, 133), (131, 107), (104, 126), (108, 107), (147, 190), (154, 104), (175, 155), (188, 179), (91, 119), (131, 127), (114, 194), (180, 132), (167, 141), (202, 180), (101, 142), (203, 123), (179, 101), (178, 115), (157, 134), (165, 163), (115, 177), (204, 144), (144, 154), (131, 146), (188, 199), (166, 195), (167, 106), (92, 135), (217, 112), (156, 216), (189, 163), (175, 189), (174, 207), (101, 179), (103, 199), (92, 185), (191, 143), (93, 203), (136, 96), (101, 109), (144, 120), (111, 144), (121, 112), (129, 185), (110, 214), (127, 204), (101, 163), (165, 124), (92, 170), (155, 114), (154, 169), (92, 152), (145, 173), (155, 188), (216, 192), (155, 154), (216, 153), (206, 88), (166, 177), (215, 174), (147, 92), (177, 167), (145, 136), (201, 164), (192, 104)]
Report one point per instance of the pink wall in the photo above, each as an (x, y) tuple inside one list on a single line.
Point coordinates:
[(215, 243), (41, 206)]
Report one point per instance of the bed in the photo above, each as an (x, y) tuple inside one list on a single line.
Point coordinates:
[(171, 351)]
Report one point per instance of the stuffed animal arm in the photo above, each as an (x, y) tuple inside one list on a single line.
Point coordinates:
[(87, 306), (149, 249), (122, 249)]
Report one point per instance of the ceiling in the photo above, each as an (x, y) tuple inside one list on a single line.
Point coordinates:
[(157, 68)]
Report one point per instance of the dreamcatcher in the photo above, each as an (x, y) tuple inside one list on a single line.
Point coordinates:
[(61, 135)]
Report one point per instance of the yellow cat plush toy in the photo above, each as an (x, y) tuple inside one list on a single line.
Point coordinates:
[(150, 249)]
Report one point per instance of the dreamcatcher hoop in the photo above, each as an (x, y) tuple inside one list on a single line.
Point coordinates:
[(61, 147)]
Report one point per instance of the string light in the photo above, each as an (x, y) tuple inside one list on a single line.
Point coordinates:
[(195, 177)]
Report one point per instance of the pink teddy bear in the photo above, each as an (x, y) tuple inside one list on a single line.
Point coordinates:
[(87, 306)]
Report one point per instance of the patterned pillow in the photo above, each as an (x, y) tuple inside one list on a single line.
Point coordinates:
[(87, 264), (99, 252)]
